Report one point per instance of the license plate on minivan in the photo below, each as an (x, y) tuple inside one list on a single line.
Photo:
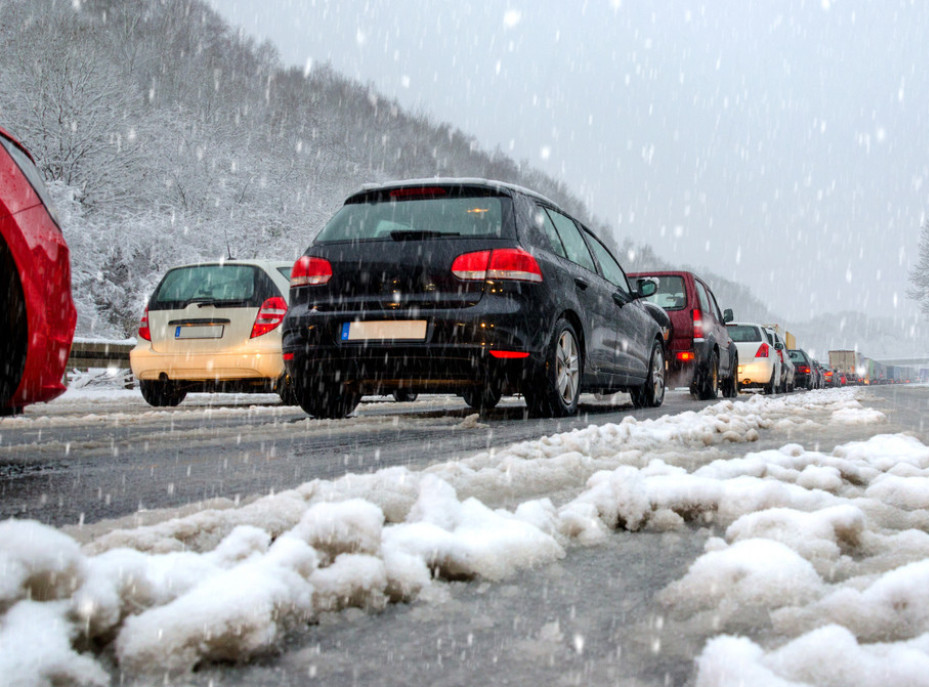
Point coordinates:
[(385, 330), (199, 331)]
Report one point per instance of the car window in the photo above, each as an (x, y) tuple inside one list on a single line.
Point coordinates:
[(714, 306), (743, 333), (704, 299), (612, 272), (32, 174), (544, 222), (221, 284), (796, 356), (670, 293), (417, 218), (285, 271), (574, 243)]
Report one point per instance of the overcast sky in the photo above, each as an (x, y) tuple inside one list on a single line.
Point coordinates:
[(782, 143)]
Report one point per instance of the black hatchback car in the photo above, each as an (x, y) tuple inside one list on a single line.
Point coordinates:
[(472, 287)]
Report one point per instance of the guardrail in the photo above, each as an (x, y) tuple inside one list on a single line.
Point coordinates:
[(86, 354)]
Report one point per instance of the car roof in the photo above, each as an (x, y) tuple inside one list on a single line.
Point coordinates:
[(492, 184), (666, 273), (258, 262)]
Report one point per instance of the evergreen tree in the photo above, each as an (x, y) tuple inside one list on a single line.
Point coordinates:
[(919, 275)]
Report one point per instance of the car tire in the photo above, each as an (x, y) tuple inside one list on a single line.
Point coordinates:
[(161, 394), (13, 343), (285, 389), (731, 383), (771, 387), (328, 399), (482, 398), (404, 395), (651, 393), (708, 389), (554, 391)]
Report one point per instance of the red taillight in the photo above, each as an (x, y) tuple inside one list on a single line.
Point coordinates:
[(685, 356), (804, 370), (504, 264), (144, 331), (310, 271), (764, 350), (270, 315), (698, 324)]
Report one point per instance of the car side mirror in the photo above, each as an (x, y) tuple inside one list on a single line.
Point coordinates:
[(646, 288), (778, 346), (727, 315)]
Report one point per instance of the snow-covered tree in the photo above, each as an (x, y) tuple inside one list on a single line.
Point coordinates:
[(919, 275)]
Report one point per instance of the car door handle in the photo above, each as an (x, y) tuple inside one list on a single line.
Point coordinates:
[(581, 284)]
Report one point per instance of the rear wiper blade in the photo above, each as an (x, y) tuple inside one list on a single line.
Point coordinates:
[(418, 234)]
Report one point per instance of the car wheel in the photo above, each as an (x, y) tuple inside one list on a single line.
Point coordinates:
[(285, 389), (651, 394), (404, 395), (555, 390), (328, 399), (13, 343), (482, 398), (161, 394), (709, 388), (771, 387), (731, 383)]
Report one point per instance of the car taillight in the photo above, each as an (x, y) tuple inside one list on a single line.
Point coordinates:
[(698, 324), (310, 271), (763, 351), (144, 331), (804, 370), (686, 356), (505, 264), (270, 315)]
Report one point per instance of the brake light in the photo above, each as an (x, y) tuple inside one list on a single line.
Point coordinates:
[(310, 271), (698, 324), (505, 264), (685, 356), (428, 191), (764, 350), (144, 331), (270, 315), (804, 370)]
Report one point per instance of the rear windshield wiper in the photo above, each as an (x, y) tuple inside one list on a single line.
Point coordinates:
[(418, 234)]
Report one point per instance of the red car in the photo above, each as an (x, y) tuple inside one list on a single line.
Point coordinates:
[(37, 315), (701, 355)]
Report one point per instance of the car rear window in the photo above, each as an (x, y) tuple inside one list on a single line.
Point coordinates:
[(671, 294), (743, 333), (217, 284), (797, 356), (419, 218)]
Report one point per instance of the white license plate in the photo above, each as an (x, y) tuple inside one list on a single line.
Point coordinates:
[(199, 331), (385, 330)]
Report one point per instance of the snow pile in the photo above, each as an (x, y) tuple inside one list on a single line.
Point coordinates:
[(813, 543)]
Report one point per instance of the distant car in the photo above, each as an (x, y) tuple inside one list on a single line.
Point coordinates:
[(37, 312), (820, 370), (759, 364), (214, 326), (830, 378), (788, 370), (805, 374), (465, 286), (701, 355)]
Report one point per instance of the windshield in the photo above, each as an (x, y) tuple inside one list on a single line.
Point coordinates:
[(742, 333), (215, 284), (417, 219), (670, 294)]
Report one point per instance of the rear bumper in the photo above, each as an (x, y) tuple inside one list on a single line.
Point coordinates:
[(227, 366), (757, 373), (457, 352)]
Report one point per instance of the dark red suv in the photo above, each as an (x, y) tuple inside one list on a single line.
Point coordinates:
[(700, 353)]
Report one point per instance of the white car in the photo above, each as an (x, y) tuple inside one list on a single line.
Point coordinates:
[(788, 370), (760, 365), (214, 326)]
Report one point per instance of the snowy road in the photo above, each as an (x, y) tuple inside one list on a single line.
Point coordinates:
[(107, 454), (771, 541)]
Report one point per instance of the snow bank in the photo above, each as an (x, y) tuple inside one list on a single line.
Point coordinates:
[(809, 539)]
